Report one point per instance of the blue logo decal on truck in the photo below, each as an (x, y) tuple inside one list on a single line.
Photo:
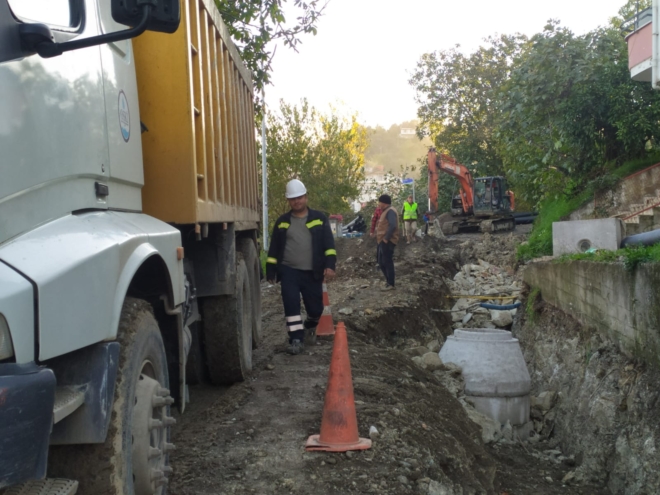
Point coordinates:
[(124, 117)]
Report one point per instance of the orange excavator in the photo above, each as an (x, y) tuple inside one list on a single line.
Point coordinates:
[(484, 204)]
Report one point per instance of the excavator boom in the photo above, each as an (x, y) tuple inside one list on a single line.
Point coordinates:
[(438, 162)]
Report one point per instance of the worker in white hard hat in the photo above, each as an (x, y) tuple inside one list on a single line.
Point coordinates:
[(301, 254)]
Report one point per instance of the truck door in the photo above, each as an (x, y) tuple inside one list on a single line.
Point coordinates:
[(123, 118), (52, 122)]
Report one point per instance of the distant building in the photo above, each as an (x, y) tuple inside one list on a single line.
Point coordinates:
[(374, 170), (408, 132)]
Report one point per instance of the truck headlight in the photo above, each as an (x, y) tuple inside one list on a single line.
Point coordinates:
[(6, 347)]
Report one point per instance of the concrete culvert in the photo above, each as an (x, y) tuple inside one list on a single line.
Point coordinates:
[(496, 378)]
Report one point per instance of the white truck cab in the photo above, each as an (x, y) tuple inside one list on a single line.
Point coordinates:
[(92, 291)]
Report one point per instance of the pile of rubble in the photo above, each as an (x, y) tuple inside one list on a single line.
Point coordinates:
[(481, 283)]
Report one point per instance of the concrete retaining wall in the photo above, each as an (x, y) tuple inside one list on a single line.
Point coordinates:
[(631, 190), (623, 305)]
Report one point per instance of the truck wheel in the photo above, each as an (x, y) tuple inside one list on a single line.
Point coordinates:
[(196, 364), (227, 323), (249, 251), (134, 459)]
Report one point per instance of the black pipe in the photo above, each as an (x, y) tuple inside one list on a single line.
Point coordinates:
[(645, 239), (523, 220), (524, 214)]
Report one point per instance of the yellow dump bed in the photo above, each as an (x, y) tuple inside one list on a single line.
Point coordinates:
[(196, 100)]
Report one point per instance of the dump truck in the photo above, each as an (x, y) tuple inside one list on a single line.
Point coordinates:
[(129, 214)]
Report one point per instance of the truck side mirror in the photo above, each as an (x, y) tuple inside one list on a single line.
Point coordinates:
[(155, 15), (164, 17)]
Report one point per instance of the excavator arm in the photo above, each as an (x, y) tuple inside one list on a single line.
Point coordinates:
[(438, 162)]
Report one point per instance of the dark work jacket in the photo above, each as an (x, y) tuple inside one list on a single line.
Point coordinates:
[(323, 244)]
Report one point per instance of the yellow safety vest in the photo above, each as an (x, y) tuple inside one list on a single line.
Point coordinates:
[(409, 211)]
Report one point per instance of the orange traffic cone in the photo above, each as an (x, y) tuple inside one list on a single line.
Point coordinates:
[(339, 431), (325, 326)]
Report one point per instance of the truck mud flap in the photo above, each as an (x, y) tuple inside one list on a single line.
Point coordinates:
[(27, 395), (93, 370)]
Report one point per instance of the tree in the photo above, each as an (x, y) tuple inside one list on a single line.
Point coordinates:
[(392, 150), (258, 25), (457, 97), (568, 108), (630, 9), (324, 151)]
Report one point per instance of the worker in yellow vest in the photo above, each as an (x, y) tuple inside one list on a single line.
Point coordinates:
[(410, 219)]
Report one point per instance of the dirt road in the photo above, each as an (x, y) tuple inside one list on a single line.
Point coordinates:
[(249, 438)]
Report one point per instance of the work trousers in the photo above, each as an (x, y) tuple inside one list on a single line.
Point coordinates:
[(386, 261), (410, 227), (294, 283)]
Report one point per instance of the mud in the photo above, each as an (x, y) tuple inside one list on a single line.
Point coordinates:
[(249, 438)]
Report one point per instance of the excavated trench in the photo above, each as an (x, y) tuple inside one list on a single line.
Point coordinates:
[(249, 438), (595, 410)]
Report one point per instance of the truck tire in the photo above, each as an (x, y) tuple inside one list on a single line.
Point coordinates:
[(227, 324), (134, 460), (196, 372), (249, 251)]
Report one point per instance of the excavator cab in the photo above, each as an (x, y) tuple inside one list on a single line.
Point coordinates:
[(491, 196)]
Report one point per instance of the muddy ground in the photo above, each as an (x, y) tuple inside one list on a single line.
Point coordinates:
[(249, 438)]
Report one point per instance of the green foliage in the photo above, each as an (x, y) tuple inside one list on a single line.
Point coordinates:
[(631, 256), (632, 166), (257, 25), (534, 295), (548, 112), (326, 152), (559, 207), (457, 93), (551, 210), (631, 8), (569, 107)]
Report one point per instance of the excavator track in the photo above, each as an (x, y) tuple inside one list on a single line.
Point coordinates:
[(473, 225)]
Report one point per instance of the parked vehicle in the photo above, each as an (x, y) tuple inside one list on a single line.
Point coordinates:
[(129, 214)]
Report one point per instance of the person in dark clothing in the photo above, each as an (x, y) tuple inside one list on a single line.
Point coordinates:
[(301, 254), (427, 220), (387, 236)]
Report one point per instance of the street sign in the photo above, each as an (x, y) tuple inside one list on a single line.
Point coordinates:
[(407, 181)]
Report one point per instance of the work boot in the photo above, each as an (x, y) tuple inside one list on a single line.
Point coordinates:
[(310, 336), (388, 287), (295, 347)]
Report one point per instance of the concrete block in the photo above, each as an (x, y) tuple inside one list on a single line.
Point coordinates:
[(580, 235)]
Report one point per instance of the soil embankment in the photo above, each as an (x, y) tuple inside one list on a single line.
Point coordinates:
[(249, 438)]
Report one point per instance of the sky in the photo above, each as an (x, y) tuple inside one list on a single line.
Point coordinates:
[(365, 50)]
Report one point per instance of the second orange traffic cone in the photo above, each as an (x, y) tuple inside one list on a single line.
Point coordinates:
[(325, 326), (339, 431)]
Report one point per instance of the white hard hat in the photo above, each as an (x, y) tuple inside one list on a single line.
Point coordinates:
[(295, 189)]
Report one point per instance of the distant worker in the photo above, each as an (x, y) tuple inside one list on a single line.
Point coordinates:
[(427, 220), (410, 219), (387, 235), (374, 220), (302, 252)]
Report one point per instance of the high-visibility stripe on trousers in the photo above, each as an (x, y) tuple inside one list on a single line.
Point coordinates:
[(295, 283)]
